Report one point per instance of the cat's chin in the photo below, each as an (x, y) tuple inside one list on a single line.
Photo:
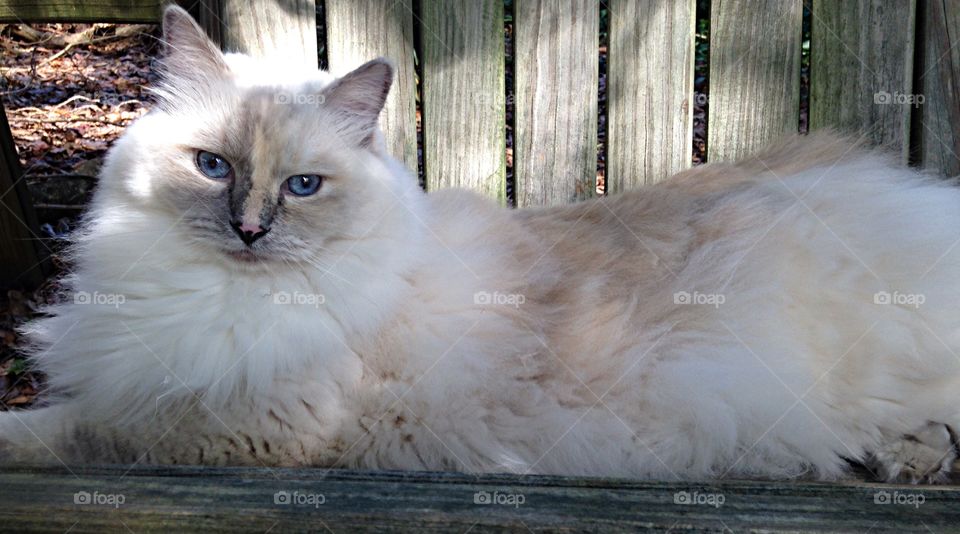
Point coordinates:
[(247, 257)]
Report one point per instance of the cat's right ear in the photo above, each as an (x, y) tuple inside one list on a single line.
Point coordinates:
[(188, 54)]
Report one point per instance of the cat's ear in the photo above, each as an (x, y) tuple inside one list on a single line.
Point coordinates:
[(358, 97), (188, 53)]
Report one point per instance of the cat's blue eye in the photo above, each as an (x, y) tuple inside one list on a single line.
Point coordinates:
[(213, 165), (304, 184)]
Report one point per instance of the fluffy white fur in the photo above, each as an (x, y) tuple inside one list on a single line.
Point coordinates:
[(598, 371)]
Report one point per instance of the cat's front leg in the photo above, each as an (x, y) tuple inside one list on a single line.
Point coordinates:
[(35, 437), (65, 434)]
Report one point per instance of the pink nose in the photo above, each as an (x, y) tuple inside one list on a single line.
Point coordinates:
[(249, 233)]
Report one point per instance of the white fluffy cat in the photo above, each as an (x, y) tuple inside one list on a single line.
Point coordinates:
[(259, 283)]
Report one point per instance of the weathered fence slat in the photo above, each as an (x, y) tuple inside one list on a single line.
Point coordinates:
[(19, 257), (286, 29), (208, 14), (360, 30), (754, 75), (463, 95), (191, 499), (555, 58), (939, 78), (649, 91), (861, 59), (12, 11)]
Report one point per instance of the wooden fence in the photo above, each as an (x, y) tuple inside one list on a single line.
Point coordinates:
[(886, 69)]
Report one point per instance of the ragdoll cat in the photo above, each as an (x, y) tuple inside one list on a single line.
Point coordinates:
[(260, 283)]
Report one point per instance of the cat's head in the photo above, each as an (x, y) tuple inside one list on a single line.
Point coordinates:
[(255, 163)]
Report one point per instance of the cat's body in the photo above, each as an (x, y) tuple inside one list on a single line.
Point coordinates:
[(730, 321)]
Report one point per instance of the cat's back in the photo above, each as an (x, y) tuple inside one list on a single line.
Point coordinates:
[(724, 208)]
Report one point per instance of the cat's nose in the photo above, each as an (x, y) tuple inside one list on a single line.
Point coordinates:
[(248, 232)]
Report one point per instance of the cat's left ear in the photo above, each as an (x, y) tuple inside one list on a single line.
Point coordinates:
[(357, 99), (189, 54)]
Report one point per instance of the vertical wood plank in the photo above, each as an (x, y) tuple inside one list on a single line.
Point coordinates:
[(861, 62), (360, 30), (208, 14), (939, 78), (464, 112), (649, 91), (19, 254), (261, 28), (116, 11), (754, 75), (556, 61)]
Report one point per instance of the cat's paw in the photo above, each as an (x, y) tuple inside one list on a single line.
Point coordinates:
[(926, 456)]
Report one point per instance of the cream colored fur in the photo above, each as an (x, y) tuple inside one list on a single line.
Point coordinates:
[(729, 321)]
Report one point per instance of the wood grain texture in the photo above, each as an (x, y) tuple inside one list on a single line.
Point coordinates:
[(361, 30), (278, 28), (20, 254), (939, 78), (754, 75), (861, 59), (649, 91), (122, 11), (186, 499), (208, 14), (556, 71), (463, 95)]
